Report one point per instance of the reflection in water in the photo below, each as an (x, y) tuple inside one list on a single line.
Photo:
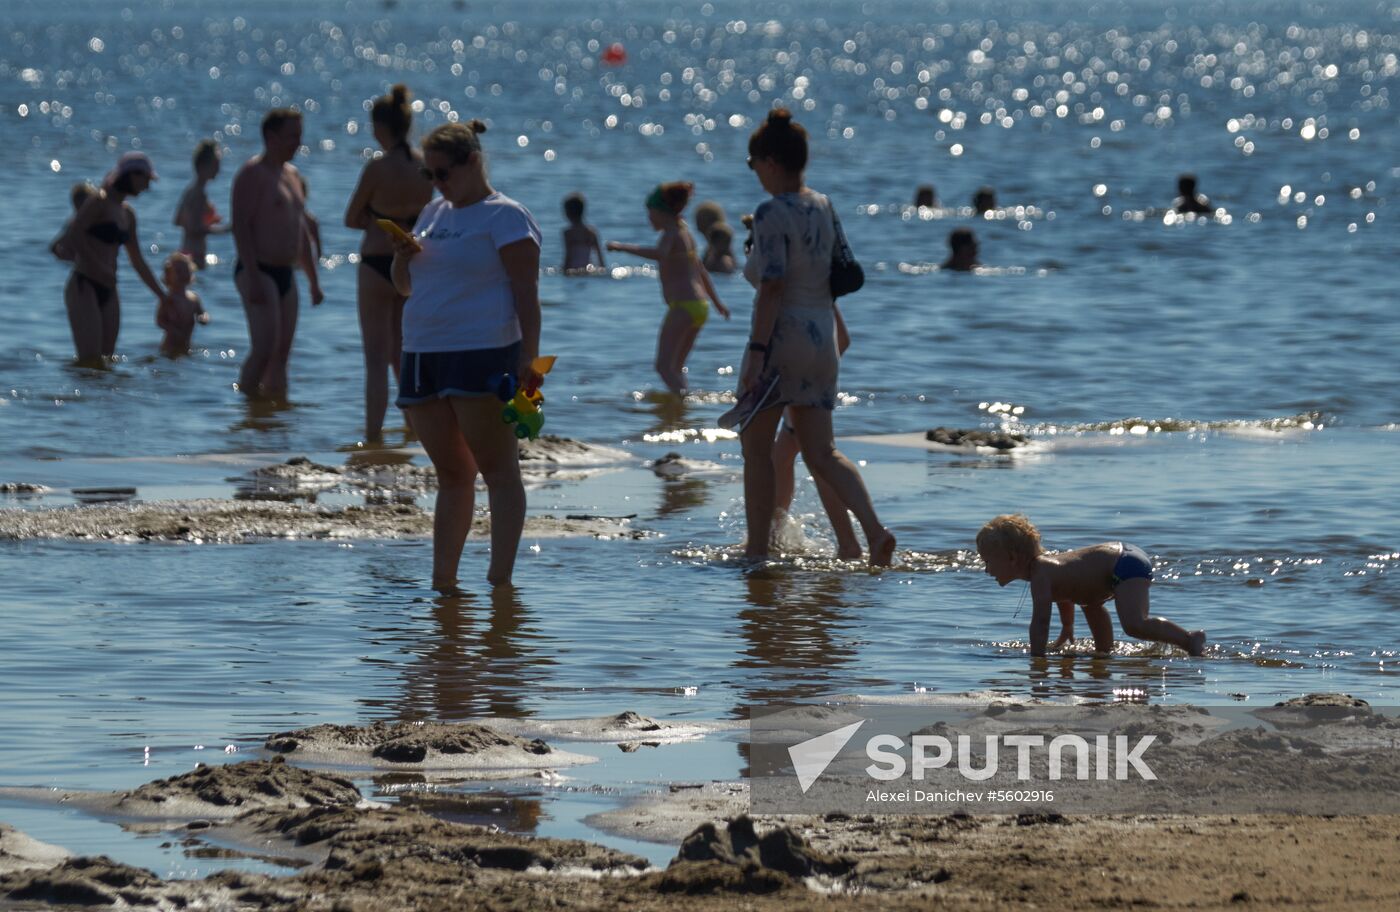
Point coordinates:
[(1096, 677), (262, 415), (518, 812), (796, 632), (669, 410), (370, 456), (478, 661), (681, 495)]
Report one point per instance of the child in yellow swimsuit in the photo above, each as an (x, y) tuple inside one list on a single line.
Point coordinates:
[(685, 285)]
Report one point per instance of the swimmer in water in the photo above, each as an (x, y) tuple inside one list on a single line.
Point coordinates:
[(926, 197), (581, 242), (1188, 201), (685, 284), (984, 200), (391, 187), (195, 216), (184, 310), (103, 226), (962, 251), (719, 255)]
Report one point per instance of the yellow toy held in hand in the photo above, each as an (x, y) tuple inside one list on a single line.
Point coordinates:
[(525, 405), (392, 229)]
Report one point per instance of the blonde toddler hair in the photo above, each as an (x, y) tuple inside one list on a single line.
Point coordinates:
[(1012, 533)]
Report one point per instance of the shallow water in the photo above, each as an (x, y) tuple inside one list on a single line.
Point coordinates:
[(1281, 543)]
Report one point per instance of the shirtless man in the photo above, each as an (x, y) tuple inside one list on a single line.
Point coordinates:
[(272, 238)]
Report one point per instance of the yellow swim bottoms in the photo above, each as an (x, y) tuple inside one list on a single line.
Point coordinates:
[(699, 311)]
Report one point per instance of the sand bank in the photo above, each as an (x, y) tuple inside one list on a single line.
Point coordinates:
[(463, 748), (234, 521), (19, 852), (623, 728)]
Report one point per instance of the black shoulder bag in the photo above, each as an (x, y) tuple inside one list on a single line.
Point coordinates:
[(846, 274)]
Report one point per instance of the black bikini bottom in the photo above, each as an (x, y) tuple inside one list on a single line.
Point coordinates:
[(281, 276), (380, 263), (104, 293)]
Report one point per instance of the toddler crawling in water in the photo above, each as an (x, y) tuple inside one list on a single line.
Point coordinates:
[(1010, 547)]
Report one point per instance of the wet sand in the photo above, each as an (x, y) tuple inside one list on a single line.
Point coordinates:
[(355, 854)]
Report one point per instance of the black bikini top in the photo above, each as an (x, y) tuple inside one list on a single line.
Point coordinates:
[(109, 233), (405, 222)]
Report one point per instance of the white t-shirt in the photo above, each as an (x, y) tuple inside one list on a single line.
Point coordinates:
[(461, 298)]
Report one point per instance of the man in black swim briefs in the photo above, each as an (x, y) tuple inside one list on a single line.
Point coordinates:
[(270, 232)]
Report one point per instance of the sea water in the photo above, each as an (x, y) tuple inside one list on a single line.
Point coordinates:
[(1219, 391)]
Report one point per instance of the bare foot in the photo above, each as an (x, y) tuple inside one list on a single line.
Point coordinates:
[(850, 550), (1196, 642), (447, 586), (882, 549)]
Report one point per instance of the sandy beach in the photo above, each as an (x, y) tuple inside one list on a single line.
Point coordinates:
[(341, 851)]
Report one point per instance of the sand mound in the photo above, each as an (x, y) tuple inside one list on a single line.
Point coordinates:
[(420, 745), (669, 816), (19, 852), (96, 881), (975, 437), (369, 859), (226, 791), (737, 859), (674, 465), (22, 489)]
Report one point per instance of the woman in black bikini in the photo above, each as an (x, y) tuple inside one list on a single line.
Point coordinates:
[(98, 230), (392, 187)]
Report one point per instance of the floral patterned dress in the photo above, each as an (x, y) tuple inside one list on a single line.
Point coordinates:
[(794, 235)]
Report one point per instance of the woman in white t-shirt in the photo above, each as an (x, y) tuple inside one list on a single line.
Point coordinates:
[(472, 318)]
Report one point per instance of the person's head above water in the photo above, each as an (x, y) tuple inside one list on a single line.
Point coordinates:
[(206, 159), (926, 197), (132, 175), (574, 205), (179, 271), (984, 200), (667, 201), (1188, 199), (781, 141), (454, 162), (962, 250), (392, 117), (281, 133), (707, 215)]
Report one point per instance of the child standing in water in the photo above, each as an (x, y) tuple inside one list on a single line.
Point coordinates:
[(580, 240), (719, 255), (1010, 547), (685, 285), (185, 308), (195, 216)]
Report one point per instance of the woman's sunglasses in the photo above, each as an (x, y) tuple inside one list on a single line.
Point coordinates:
[(440, 175)]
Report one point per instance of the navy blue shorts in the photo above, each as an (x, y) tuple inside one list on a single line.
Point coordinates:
[(1134, 564), (425, 376)]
